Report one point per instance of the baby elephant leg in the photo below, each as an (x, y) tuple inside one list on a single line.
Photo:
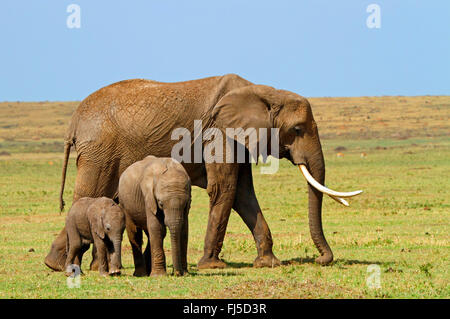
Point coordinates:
[(135, 236), (78, 259), (102, 256), (157, 232), (94, 263), (148, 256), (184, 245), (73, 253)]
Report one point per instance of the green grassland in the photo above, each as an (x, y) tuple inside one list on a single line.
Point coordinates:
[(401, 221)]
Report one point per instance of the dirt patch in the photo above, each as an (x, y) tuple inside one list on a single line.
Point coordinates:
[(277, 289)]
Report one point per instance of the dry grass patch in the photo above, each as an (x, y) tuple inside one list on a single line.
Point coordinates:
[(397, 117), (283, 289)]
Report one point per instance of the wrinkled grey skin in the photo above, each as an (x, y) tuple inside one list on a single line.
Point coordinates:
[(99, 221), (155, 193)]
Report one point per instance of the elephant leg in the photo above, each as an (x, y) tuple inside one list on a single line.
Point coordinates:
[(94, 180), (135, 236), (184, 245), (94, 262), (157, 232), (91, 181), (74, 249), (56, 258), (246, 205), (221, 189), (102, 256), (79, 258), (148, 256)]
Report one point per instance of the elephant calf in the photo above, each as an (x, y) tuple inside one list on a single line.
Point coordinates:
[(153, 193), (99, 221)]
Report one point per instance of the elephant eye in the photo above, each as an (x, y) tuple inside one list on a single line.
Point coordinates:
[(298, 130)]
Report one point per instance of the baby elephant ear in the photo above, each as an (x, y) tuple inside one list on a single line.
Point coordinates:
[(147, 188), (97, 224)]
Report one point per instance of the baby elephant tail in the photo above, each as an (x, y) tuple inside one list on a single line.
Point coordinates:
[(67, 146)]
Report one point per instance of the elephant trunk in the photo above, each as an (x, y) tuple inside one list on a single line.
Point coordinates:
[(316, 165), (116, 257), (175, 227)]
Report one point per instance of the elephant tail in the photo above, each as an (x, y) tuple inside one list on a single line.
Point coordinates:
[(67, 146)]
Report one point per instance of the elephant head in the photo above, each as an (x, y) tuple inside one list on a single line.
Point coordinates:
[(260, 106)]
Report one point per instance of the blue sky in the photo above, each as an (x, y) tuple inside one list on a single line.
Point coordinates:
[(314, 48)]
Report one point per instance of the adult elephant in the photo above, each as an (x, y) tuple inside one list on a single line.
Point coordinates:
[(126, 121)]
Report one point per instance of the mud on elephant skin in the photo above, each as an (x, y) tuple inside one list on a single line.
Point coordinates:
[(126, 121), (99, 221), (155, 193)]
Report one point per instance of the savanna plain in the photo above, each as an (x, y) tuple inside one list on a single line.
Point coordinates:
[(397, 149)]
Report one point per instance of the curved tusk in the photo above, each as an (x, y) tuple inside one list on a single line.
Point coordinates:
[(340, 200), (323, 189)]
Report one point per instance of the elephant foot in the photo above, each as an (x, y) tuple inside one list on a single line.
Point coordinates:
[(211, 263), (324, 259), (94, 265), (179, 273), (115, 272), (158, 273), (140, 272), (266, 261)]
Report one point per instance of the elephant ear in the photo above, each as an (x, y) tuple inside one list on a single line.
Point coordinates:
[(96, 220), (147, 189), (244, 108)]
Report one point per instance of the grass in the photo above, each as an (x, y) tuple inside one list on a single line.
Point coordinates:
[(400, 223)]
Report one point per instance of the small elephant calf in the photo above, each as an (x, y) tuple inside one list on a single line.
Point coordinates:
[(153, 193), (99, 221)]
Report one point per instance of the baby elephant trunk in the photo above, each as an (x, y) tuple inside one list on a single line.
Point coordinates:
[(116, 258), (175, 228)]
